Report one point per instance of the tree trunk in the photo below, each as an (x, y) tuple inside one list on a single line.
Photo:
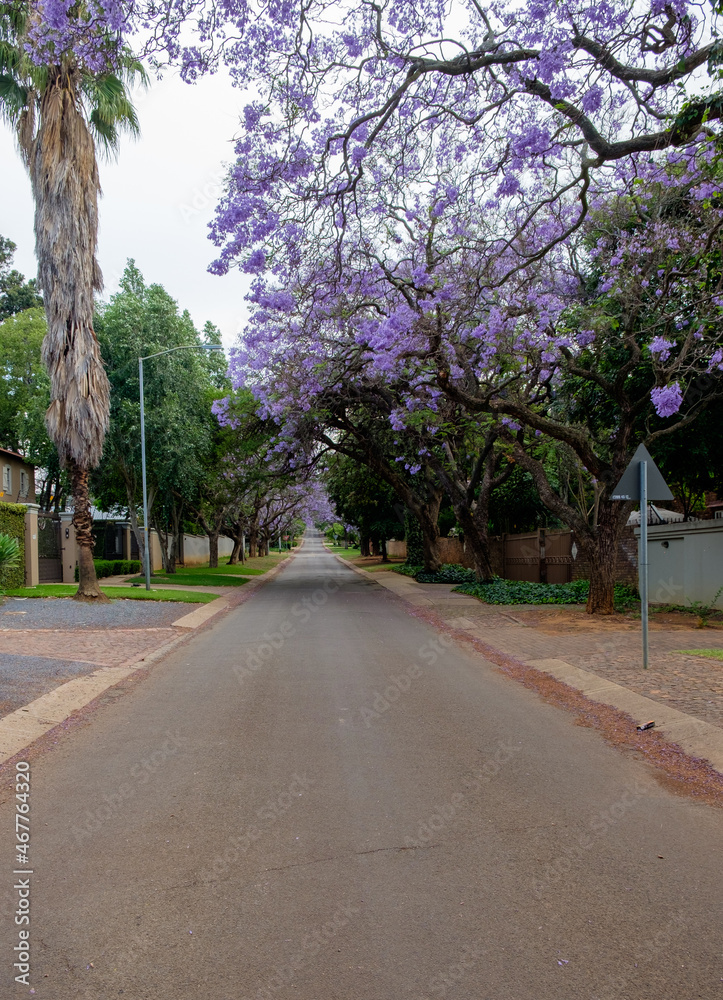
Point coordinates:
[(253, 541), (432, 562), (213, 549), (383, 546), (88, 589), (376, 550), (364, 545), (236, 550), (601, 551)]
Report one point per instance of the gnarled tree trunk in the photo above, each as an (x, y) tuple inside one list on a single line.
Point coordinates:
[(88, 588)]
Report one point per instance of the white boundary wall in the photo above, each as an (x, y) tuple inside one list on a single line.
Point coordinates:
[(685, 562)]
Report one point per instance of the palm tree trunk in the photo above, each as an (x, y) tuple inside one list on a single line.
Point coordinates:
[(88, 589), (63, 169)]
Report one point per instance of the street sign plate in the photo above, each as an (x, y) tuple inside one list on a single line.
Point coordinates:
[(629, 486)]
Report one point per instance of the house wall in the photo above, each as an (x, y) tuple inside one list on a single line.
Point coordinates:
[(17, 479), (685, 562)]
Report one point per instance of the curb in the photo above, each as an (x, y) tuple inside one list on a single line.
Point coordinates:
[(696, 738), (21, 728)]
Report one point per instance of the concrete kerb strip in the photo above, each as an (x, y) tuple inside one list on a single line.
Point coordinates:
[(694, 736), (25, 725)]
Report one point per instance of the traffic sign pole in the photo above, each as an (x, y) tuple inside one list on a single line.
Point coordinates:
[(642, 476), (643, 558)]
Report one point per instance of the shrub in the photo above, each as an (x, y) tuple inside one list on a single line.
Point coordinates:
[(114, 567), (452, 573), (9, 555), (12, 523), (519, 592)]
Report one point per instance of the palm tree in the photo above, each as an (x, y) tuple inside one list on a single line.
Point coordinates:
[(60, 111)]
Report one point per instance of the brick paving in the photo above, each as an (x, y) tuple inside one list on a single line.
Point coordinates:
[(101, 647), (609, 647)]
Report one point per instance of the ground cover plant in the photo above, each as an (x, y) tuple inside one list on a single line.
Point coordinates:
[(711, 654), (520, 592)]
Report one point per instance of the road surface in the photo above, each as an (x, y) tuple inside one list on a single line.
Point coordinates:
[(321, 798)]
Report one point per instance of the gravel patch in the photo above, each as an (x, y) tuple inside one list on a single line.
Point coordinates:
[(64, 613), (25, 678)]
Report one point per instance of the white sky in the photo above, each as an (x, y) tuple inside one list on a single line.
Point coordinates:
[(157, 199)]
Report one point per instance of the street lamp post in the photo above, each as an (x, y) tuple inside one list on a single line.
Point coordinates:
[(183, 347)]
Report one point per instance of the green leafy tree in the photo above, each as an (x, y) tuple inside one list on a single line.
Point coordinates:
[(24, 398), (363, 499), (141, 320), (16, 294)]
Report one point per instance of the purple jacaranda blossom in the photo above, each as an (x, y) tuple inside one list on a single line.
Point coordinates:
[(660, 348), (667, 399)]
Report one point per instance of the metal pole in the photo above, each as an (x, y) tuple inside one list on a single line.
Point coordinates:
[(146, 553), (643, 558)]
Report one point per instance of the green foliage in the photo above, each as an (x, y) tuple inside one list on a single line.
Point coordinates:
[(9, 555), (413, 535), (12, 525), (141, 320), (114, 567), (518, 592), (452, 573), (408, 569), (16, 294), (515, 506), (704, 609), (711, 654), (363, 499), (24, 386)]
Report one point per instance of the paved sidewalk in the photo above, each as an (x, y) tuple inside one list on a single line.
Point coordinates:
[(600, 657)]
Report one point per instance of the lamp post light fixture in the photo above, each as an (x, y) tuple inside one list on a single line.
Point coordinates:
[(171, 350)]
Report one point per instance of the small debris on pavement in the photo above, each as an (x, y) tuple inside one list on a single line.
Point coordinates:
[(646, 725)]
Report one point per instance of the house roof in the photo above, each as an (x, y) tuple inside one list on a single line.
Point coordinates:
[(656, 515), (6, 451)]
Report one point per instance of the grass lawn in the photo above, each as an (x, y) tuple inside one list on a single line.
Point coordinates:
[(206, 579), (712, 654), (224, 576), (339, 550), (371, 563), (126, 593)]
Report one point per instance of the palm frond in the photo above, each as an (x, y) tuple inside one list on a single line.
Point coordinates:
[(13, 98)]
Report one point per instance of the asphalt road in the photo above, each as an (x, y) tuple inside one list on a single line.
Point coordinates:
[(318, 799)]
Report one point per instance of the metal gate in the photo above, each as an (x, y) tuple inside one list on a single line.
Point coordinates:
[(538, 556), (50, 561)]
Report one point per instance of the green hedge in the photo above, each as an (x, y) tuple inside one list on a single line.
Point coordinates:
[(519, 592), (114, 567), (12, 522)]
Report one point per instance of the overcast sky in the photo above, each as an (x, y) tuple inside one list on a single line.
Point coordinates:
[(157, 199)]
